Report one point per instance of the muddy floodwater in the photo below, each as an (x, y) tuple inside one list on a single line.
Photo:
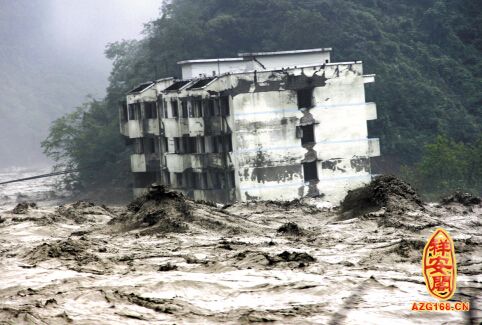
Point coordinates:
[(167, 260)]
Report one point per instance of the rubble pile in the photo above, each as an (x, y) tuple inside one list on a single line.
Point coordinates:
[(291, 229), (386, 191), (463, 198), (81, 211), (158, 211), (23, 207), (69, 249), (256, 259)]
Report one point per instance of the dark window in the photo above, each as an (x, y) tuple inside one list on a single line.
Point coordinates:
[(222, 180), (216, 108), (210, 107), (204, 180), (305, 97), (175, 108), (184, 143), (132, 115), (165, 145), (308, 134), (224, 105), (177, 145), (124, 112), (179, 179), (165, 109), (195, 177), (310, 172), (214, 142), (184, 108), (232, 178), (153, 109), (191, 145), (150, 145), (166, 178), (228, 144), (215, 179), (197, 108), (150, 110), (191, 110), (202, 145), (138, 146)]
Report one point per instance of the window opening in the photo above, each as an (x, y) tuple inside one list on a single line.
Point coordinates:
[(175, 108), (179, 179), (310, 172), (224, 101), (184, 108), (308, 134), (305, 97)]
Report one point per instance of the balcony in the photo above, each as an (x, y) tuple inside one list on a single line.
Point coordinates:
[(368, 78), (138, 163), (177, 163), (373, 147), (124, 130), (194, 126), (134, 129), (151, 126), (371, 109)]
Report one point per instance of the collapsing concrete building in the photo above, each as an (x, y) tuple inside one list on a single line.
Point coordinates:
[(263, 126)]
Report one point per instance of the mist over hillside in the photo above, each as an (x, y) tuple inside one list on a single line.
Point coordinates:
[(51, 58)]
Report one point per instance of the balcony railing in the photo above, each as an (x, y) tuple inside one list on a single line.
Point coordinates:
[(177, 163), (138, 163)]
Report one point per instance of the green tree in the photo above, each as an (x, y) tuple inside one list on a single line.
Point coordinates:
[(88, 140), (447, 166)]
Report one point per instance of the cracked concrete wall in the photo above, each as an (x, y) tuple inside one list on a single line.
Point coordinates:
[(270, 155)]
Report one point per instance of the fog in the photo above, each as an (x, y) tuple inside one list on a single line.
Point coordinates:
[(51, 57), (83, 28)]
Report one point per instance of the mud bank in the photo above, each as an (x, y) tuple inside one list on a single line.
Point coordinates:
[(167, 260)]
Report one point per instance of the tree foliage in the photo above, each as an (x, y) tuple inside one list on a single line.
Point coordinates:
[(426, 54), (88, 139), (447, 166)]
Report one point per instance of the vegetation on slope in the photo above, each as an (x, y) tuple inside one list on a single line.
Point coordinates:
[(426, 54)]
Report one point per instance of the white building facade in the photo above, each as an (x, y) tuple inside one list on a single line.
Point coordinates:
[(264, 126)]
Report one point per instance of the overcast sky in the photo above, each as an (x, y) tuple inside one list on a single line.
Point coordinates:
[(84, 27), (51, 57)]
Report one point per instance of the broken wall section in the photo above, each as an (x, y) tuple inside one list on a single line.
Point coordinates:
[(302, 132)]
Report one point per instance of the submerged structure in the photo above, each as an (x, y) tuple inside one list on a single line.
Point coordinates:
[(262, 126)]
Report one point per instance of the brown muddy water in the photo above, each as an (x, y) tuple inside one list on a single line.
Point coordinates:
[(167, 260)]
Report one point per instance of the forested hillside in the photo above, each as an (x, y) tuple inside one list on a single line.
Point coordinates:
[(426, 54)]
